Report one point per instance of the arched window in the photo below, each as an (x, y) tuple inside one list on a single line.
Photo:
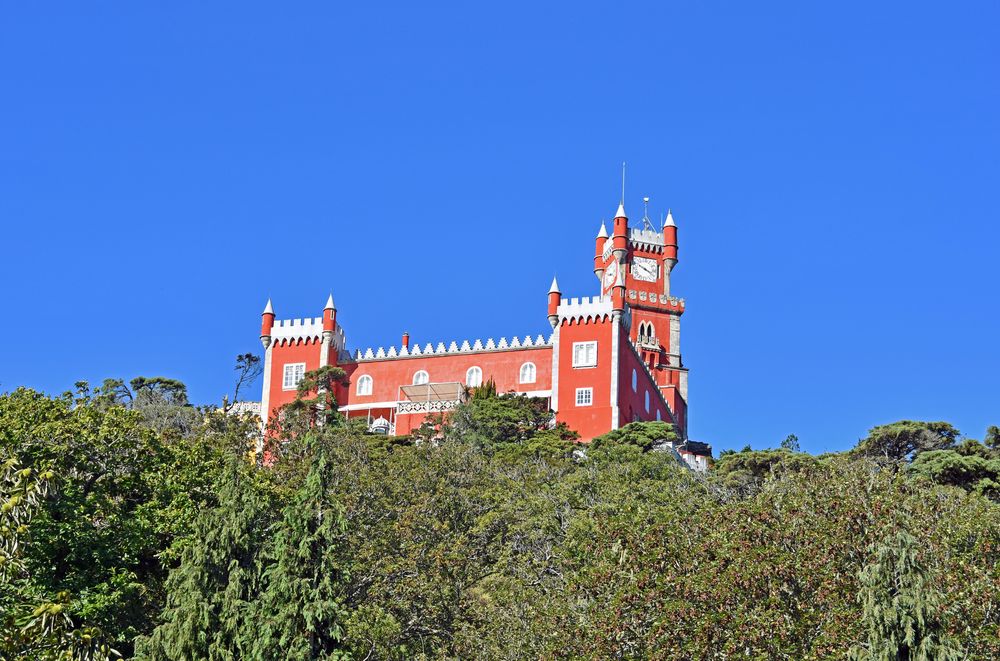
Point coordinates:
[(474, 377), (635, 380), (528, 373), (658, 418), (647, 401), (364, 385), (420, 378)]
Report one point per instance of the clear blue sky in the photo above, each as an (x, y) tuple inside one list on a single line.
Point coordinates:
[(833, 169)]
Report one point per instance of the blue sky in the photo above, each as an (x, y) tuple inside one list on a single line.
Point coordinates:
[(833, 169)]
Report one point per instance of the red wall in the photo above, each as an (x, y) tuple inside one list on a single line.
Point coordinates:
[(634, 402), (304, 351), (593, 420)]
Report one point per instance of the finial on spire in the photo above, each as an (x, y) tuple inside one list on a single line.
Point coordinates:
[(603, 233), (329, 303), (669, 222), (554, 289), (268, 309)]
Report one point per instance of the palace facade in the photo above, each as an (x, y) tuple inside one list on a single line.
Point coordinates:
[(610, 359)]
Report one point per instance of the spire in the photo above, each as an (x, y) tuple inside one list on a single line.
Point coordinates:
[(603, 234), (268, 309), (669, 222), (554, 289), (329, 304), (621, 211)]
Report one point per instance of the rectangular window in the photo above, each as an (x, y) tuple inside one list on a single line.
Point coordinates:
[(584, 396), (584, 354), (294, 372)]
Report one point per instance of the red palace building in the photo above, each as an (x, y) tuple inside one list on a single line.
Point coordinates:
[(611, 358)]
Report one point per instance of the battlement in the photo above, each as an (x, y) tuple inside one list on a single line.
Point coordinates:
[(430, 349), (287, 331), (590, 308), (670, 303), (645, 239)]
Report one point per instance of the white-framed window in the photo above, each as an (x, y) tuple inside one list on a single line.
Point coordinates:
[(584, 396), (647, 401), (635, 380), (420, 378), (474, 377), (364, 385), (293, 373), (584, 354), (527, 373)]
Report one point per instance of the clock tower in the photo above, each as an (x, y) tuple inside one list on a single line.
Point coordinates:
[(644, 264)]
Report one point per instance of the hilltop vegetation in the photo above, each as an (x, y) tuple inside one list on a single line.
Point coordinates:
[(134, 523)]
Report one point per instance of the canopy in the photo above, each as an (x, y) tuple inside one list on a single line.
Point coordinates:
[(433, 392)]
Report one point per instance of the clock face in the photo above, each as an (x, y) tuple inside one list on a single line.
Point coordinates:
[(644, 269), (611, 275)]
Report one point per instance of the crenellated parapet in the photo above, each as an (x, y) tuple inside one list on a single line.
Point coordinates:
[(661, 301), (590, 309), (304, 331), (645, 239), (429, 349)]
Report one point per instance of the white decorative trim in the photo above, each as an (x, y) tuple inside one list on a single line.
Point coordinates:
[(475, 346), (303, 329), (555, 369), (368, 405), (615, 340), (590, 308), (265, 398)]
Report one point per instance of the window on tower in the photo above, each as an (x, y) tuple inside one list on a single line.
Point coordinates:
[(584, 354), (584, 396), (364, 386), (635, 380), (293, 373), (527, 373), (420, 378), (474, 377), (647, 401)]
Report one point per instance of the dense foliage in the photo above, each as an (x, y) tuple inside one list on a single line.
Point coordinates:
[(136, 524)]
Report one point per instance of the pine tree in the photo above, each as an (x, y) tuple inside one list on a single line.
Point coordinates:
[(301, 611), (210, 596), (901, 607)]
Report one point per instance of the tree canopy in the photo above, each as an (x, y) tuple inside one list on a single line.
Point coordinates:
[(136, 523)]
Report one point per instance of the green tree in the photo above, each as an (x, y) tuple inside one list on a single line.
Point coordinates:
[(642, 435), (992, 439), (791, 443), (903, 440), (212, 596), (301, 611), (901, 607)]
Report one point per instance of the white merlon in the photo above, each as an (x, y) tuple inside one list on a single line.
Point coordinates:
[(669, 222), (268, 309), (554, 289), (581, 308), (645, 238), (475, 346), (621, 211), (603, 233), (305, 329)]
